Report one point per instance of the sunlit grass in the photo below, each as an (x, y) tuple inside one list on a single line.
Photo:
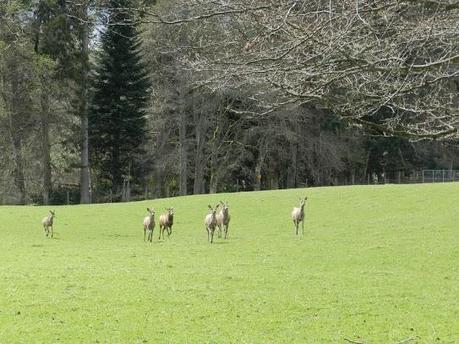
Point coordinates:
[(377, 264)]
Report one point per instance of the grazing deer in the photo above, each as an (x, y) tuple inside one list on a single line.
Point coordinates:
[(149, 224), (223, 219), (210, 221), (298, 215), (47, 223), (166, 221)]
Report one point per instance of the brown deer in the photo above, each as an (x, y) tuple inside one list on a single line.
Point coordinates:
[(223, 219), (47, 223), (149, 224), (210, 221), (166, 221)]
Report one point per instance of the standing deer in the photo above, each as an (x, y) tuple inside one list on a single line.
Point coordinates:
[(223, 219), (166, 221), (149, 224), (298, 215), (210, 221), (47, 223)]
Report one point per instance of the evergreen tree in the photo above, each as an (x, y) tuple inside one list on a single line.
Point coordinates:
[(117, 116)]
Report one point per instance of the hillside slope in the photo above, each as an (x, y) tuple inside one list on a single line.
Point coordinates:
[(377, 264)]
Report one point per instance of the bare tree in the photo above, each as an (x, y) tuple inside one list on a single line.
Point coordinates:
[(387, 66)]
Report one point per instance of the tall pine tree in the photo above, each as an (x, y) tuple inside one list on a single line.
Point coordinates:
[(117, 117)]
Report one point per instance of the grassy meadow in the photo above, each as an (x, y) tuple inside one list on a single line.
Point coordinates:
[(376, 264)]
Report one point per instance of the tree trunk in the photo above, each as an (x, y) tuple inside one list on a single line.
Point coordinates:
[(274, 181), (15, 137), (183, 153), (85, 182), (258, 174), (365, 171), (116, 172), (159, 166), (159, 181), (292, 166), (16, 145), (45, 145), (214, 172), (199, 161), (258, 166)]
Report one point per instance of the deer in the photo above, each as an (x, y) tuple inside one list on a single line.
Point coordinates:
[(149, 224), (166, 221), (223, 219), (298, 215), (47, 223), (210, 221)]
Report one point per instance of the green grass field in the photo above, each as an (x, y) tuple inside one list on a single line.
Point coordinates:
[(377, 264)]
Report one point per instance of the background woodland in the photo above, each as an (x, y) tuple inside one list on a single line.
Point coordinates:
[(118, 100)]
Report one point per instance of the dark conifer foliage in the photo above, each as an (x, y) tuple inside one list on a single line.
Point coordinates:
[(117, 116)]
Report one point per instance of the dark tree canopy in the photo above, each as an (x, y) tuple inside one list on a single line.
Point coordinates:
[(117, 116)]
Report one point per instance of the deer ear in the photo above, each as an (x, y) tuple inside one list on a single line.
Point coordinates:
[(209, 206)]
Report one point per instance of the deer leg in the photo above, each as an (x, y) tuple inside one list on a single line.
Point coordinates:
[(302, 226), (52, 231), (226, 231)]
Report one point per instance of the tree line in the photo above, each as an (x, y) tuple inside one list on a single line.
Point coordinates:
[(127, 99)]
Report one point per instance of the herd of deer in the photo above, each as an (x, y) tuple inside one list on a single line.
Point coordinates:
[(212, 221)]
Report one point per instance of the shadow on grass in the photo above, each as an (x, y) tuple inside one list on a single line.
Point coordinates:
[(220, 242), (119, 235)]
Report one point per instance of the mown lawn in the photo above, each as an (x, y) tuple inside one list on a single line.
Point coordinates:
[(377, 264)]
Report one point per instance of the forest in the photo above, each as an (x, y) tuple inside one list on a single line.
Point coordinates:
[(120, 100)]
